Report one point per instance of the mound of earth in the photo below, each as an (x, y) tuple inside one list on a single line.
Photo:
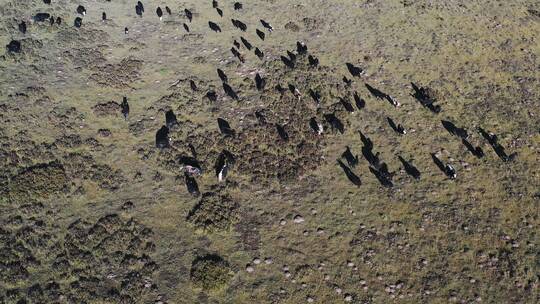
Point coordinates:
[(210, 271)]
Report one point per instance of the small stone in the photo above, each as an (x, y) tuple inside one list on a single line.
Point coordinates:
[(348, 298), (287, 274), (268, 261), (350, 264), (282, 222), (256, 261), (249, 269), (298, 219), (338, 290), (310, 300)]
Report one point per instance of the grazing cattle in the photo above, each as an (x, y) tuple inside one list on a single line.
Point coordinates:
[(346, 105), (316, 126), (159, 12), (193, 85), (81, 10), (301, 48), (351, 159), (446, 169), (291, 55), (51, 20), (236, 44), (170, 119), (267, 25), (237, 54), (125, 107), (239, 25), (78, 22), (222, 75), (214, 27), (214, 3), (162, 137), (367, 152), (281, 132), (397, 128), (381, 177), (280, 89), (354, 70), (193, 151), (140, 5), (47, 1), (126, 30), (260, 117), (246, 43), (373, 159), (224, 127), (375, 92), (103, 16), (259, 53), (347, 81), (499, 150), (478, 152), (316, 96), (287, 62), (139, 10), (22, 27), (368, 144), (14, 46), (313, 61), (237, 6), (293, 89), (450, 171), (186, 27), (189, 163), (41, 17), (223, 164), (229, 91), (260, 34), (410, 168), (189, 15), (168, 10), (259, 82), (334, 122), (392, 101), (360, 103), (58, 20), (421, 94), (211, 95), (454, 130), (490, 137), (191, 184), (350, 174), (219, 11)]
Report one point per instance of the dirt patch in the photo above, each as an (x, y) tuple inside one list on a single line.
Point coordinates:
[(119, 75), (107, 109)]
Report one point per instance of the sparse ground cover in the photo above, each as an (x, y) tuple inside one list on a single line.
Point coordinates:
[(92, 212)]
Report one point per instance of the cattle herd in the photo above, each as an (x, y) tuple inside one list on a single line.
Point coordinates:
[(225, 160)]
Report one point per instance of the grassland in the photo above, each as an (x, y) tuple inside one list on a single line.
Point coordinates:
[(92, 212)]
